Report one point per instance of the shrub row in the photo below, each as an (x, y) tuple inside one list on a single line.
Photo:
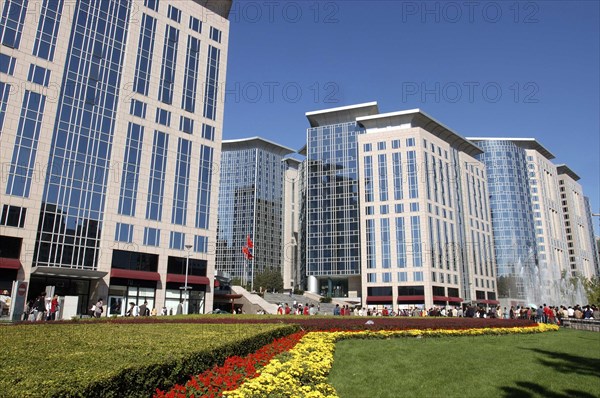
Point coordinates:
[(131, 361)]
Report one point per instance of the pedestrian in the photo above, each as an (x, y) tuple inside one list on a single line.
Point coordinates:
[(130, 310), (179, 308), (54, 307), (144, 311), (39, 307), (99, 308)]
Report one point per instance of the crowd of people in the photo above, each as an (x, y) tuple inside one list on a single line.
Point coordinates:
[(545, 313), (41, 309)]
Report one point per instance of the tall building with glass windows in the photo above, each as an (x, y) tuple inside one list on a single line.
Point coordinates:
[(426, 235), (111, 123), (535, 246), (578, 224), (252, 204), (332, 243)]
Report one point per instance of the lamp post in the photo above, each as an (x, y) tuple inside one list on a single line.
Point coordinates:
[(185, 287)]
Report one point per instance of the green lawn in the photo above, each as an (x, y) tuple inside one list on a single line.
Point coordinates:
[(63, 359), (563, 364)]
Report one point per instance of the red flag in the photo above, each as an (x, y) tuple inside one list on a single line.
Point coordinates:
[(247, 253), (249, 242)]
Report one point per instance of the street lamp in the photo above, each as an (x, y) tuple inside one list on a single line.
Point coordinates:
[(185, 287)]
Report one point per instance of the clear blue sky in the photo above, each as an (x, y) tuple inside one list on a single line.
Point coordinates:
[(510, 69)]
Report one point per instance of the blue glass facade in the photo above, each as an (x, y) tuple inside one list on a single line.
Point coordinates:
[(250, 204), (332, 214), (25, 148), (75, 187), (512, 214)]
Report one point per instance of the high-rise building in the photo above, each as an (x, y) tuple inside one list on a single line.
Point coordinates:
[(425, 224), (253, 188), (396, 210), (577, 223), (111, 122), (332, 211), (531, 198)]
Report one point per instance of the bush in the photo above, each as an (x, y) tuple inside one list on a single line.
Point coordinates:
[(325, 300), (105, 359)]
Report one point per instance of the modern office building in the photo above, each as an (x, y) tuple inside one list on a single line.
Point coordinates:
[(253, 188), (111, 122), (531, 238), (426, 235), (332, 241), (578, 224), (397, 210)]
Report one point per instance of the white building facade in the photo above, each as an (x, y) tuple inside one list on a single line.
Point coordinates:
[(111, 124)]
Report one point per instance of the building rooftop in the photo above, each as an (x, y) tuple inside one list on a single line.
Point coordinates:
[(525, 143), (255, 142), (564, 169), (219, 7), (344, 114), (418, 118)]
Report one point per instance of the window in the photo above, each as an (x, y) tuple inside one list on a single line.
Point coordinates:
[(124, 233), (414, 207), (151, 236), (7, 64), (369, 210), (402, 277), (177, 240), (395, 144), (169, 65), (13, 216), (384, 209), (138, 108), (399, 208), (386, 277), (11, 24), (200, 244), (211, 84), (174, 14), (195, 24), (410, 142), (367, 148), (381, 146), (131, 169), (163, 117), (38, 75), (215, 34), (371, 278), (418, 276), (144, 55), (151, 4), (208, 132), (186, 125), (188, 100), (47, 31)]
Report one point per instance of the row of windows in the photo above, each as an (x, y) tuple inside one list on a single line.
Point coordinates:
[(124, 233), (402, 276)]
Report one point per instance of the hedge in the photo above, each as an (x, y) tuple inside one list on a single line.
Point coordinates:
[(118, 360)]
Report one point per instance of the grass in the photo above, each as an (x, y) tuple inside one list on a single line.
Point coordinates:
[(563, 364), (43, 359)]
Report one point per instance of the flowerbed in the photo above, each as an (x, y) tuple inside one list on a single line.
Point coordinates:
[(319, 322), (303, 372), (232, 373)]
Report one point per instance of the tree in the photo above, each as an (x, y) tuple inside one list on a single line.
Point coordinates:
[(269, 279), (592, 290)]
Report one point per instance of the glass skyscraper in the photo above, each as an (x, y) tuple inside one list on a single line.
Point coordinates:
[(512, 215), (110, 124), (540, 222), (251, 204), (332, 212)]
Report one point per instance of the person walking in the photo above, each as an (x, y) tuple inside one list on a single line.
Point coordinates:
[(54, 307), (99, 308), (39, 307)]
